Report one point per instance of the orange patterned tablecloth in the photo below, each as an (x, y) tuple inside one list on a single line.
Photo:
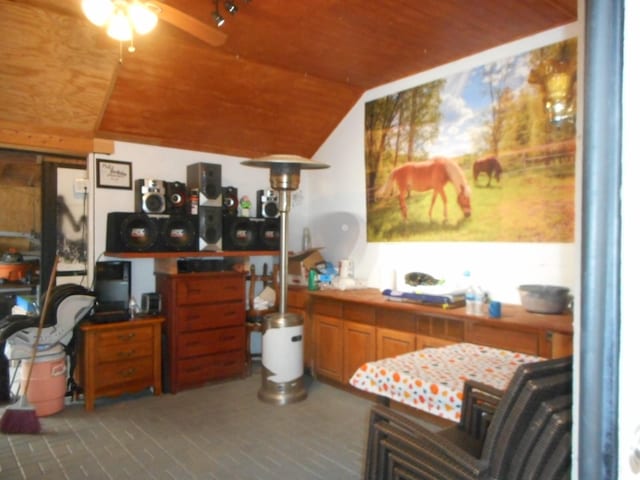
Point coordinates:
[(433, 379)]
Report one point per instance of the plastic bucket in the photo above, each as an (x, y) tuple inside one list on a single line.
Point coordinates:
[(48, 383)]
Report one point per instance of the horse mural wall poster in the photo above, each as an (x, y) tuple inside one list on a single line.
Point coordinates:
[(476, 156)]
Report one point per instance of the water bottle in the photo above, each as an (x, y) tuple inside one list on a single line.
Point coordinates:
[(478, 303), (469, 295), (133, 307), (306, 239)]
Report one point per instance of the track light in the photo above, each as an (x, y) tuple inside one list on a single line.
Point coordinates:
[(219, 19), (231, 7)]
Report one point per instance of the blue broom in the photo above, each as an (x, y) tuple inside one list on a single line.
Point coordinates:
[(21, 417)]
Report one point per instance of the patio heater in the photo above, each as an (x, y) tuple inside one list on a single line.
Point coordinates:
[(282, 345)]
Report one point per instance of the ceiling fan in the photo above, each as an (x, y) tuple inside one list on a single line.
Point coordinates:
[(123, 17)]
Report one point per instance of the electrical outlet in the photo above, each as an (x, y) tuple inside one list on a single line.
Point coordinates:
[(81, 186)]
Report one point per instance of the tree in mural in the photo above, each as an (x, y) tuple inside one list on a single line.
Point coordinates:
[(400, 125)]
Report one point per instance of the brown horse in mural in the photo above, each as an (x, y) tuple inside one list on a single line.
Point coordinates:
[(429, 175), (489, 165)]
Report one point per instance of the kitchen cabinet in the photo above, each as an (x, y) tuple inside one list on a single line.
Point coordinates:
[(353, 327), (119, 357), (359, 346), (204, 328)]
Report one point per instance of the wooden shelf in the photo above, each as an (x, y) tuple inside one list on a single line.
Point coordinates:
[(235, 253)]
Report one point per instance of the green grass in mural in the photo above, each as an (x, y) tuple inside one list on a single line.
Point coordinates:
[(533, 205)]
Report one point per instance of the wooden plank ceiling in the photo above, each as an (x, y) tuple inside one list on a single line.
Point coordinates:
[(285, 77)]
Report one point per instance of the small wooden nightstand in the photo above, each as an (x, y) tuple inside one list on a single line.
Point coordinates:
[(120, 357)]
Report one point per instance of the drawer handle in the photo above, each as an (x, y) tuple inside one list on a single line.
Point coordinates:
[(193, 343), (127, 336), (195, 291), (126, 354), (228, 337), (192, 369), (128, 372), (228, 363)]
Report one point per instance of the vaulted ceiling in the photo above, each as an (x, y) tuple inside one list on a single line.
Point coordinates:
[(286, 75)]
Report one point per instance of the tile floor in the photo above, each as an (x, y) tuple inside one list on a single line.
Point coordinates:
[(221, 431)]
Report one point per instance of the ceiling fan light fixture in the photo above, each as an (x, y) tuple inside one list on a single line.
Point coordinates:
[(142, 17), (97, 11), (122, 17), (119, 27)]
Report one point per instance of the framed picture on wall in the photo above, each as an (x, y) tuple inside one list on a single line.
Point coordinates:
[(113, 174)]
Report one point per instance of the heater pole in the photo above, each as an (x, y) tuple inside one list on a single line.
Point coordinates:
[(284, 205)]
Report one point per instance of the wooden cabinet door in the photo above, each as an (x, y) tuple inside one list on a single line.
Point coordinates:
[(359, 346), (329, 347), (390, 343)]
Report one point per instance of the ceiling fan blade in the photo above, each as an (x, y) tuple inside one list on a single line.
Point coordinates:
[(207, 33)]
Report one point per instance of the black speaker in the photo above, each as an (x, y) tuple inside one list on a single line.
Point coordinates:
[(178, 233), (131, 232), (112, 285), (176, 198), (150, 196), (267, 204), (269, 234), (240, 233), (207, 179), (229, 201), (210, 228), (140, 232), (245, 233)]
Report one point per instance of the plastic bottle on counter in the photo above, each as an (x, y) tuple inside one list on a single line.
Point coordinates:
[(469, 295), (478, 303), (133, 307), (306, 239)]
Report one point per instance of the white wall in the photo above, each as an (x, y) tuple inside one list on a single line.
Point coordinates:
[(500, 267)]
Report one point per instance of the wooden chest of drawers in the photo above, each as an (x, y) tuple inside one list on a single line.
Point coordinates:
[(121, 357), (205, 333)]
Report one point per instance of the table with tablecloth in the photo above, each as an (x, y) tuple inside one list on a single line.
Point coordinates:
[(432, 379)]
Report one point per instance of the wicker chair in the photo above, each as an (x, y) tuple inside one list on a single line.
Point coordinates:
[(521, 433)]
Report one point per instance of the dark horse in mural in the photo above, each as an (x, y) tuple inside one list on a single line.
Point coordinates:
[(429, 175), (489, 165)]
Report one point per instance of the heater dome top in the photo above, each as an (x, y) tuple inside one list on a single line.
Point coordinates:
[(285, 160)]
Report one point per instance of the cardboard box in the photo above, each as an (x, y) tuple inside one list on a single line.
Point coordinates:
[(300, 263)]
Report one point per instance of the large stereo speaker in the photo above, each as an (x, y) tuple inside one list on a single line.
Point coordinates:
[(140, 232), (112, 285), (267, 204), (150, 196), (229, 201), (210, 228), (245, 233), (176, 198), (207, 179)]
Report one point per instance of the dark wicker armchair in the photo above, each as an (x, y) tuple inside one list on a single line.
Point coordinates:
[(521, 433)]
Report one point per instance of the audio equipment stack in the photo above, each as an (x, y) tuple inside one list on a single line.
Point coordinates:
[(150, 195), (142, 232), (267, 204), (176, 198), (207, 179), (251, 233), (229, 202)]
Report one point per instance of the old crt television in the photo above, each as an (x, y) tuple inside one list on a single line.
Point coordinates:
[(113, 286)]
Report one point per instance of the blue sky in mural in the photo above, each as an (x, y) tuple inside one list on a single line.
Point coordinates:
[(466, 105)]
